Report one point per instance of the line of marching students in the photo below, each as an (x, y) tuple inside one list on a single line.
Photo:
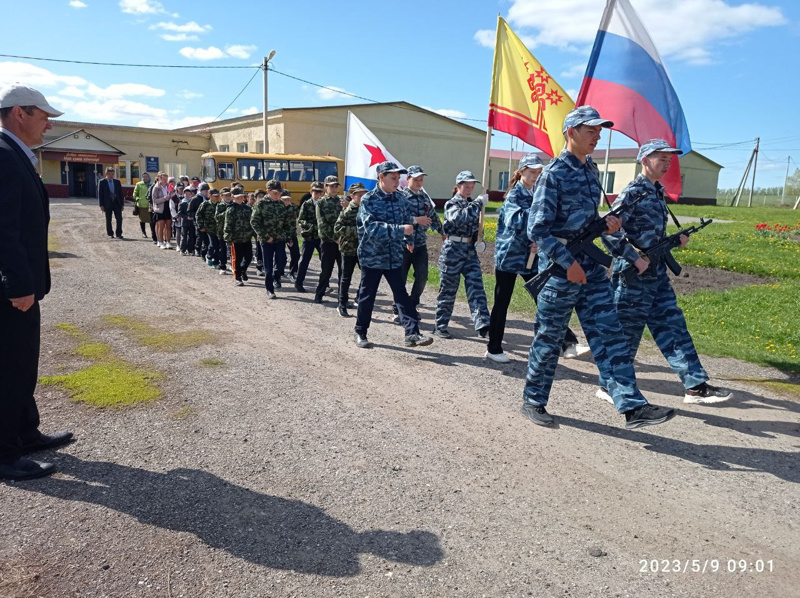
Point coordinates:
[(384, 231)]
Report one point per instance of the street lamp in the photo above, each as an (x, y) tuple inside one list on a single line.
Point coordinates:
[(265, 67)]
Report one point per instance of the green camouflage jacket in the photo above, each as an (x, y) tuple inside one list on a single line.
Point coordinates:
[(267, 220), (328, 209), (237, 224), (205, 216), (346, 230), (307, 220), (291, 213), (219, 216)]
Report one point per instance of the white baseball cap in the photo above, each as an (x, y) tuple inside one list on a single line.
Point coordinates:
[(21, 95)]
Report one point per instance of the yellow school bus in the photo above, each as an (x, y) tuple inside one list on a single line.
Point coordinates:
[(296, 172)]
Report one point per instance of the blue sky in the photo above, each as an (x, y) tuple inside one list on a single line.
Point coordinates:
[(733, 64)]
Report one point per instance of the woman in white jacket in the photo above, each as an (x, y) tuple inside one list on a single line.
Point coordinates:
[(164, 211)]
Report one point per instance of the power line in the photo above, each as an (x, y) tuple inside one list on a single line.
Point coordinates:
[(258, 70), (153, 66)]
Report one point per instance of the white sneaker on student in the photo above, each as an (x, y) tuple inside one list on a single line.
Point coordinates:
[(574, 351), (497, 357), (602, 393)]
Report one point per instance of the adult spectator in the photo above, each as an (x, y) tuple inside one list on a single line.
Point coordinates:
[(143, 205), (109, 193), (24, 280)]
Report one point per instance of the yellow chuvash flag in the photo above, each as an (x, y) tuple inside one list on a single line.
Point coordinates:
[(526, 102)]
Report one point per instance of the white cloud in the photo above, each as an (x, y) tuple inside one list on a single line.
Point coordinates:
[(572, 93), (576, 70), (120, 90), (188, 95), (178, 37), (685, 29), (447, 112), (34, 76), (142, 7), (72, 92), (243, 111), (175, 123), (332, 93), (210, 53), (487, 37), (242, 52), (78, 4), (190, 27), (115, 111)]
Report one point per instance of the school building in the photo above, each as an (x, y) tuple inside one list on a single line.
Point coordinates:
[(74, 155)]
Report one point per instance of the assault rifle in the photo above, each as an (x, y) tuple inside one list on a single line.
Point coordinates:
[(663, 251), (583, 243)]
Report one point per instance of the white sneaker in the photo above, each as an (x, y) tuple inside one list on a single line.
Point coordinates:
[(270, 295), (177, 248), (602, 393), (223, 272), (166, 246), (497, 357), (574, 351), (706, 394)]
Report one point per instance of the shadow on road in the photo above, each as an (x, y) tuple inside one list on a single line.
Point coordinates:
[(266, 530)]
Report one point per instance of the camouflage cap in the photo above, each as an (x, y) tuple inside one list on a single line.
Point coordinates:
[(285, 193), (585, 115), (190, 190), (213, 191), (274, 185), (259, 192), (331, 180), (466, 176), (226, 191), (655, 145), (415, 171), (356, 188), (204, 187), (239, 192), (530, 161), (385, 167), (317, 186)]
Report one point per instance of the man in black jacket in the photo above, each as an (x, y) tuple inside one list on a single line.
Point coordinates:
[(24, 280), (109, 193)]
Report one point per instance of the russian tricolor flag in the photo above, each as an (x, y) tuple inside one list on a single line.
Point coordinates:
[(627, 82)]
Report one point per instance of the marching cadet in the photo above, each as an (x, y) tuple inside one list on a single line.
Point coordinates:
[(415, 253), (512, 257), (328, 209), (259, 194), (565, 200), (648, 299), (346, 231), (458, 256), (239, 233), (268, 221), (307, 223), (383, 222), (292, 212), (207, 226), (219, 217)]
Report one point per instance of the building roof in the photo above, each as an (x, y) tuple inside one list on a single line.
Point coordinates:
[(96, 144), (402, 105), (625, 153), (77, 124)]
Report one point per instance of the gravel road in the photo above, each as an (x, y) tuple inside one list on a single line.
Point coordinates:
[(307, 467)]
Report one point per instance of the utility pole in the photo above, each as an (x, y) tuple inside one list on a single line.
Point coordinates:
[(785, 179), (265, 68), (755, 164)]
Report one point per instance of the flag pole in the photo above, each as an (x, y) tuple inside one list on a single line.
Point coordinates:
[(605, 168), (486, 184)]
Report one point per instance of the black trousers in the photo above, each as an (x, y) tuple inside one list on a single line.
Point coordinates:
[(241, 256), (19, 369), (273, 253), (418, 259), (116, 211), (309, 246), (330, 256), (368, 290), (153, 226), (188, 238), (503, 289), (214, 244), (201, 245), (294, 255), (259, 257), (349, 263)]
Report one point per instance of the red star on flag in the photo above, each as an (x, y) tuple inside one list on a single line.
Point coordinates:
[(542, 75), (376, 155), (555, 97)]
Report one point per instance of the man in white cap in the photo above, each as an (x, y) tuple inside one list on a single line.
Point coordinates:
[(24, 280)]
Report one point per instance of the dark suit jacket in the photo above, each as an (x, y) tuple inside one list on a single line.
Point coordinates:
[(24, 218), (105, 197)]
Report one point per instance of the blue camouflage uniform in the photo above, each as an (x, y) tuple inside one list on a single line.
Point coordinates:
[(511, 246), (566, 199), (458, 257), (650, 300), (380, 221)]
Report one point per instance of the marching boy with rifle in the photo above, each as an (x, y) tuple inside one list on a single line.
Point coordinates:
[(565, 203), (643, 293)]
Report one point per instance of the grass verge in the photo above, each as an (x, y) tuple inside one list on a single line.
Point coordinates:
[(211, 362), (156, 339), (110, 384)]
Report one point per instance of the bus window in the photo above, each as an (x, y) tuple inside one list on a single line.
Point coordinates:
[(325, 169), (225, 171), (250, 169), (277, 169), (207, 170), (301, 170)]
